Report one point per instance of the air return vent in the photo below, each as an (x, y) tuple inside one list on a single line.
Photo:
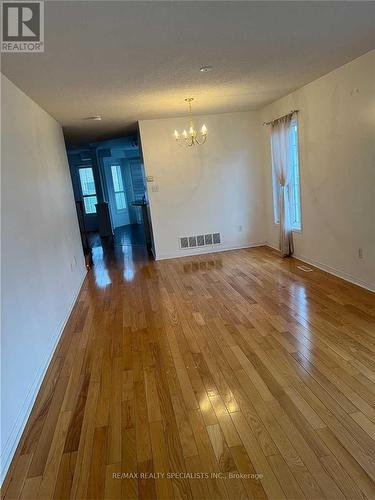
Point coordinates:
[(184, 242), (216, 238), (200, 240), (208, 239), (192, 241)]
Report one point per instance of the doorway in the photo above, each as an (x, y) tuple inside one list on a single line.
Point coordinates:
[(117, 196), (111, 194), (126, 194)]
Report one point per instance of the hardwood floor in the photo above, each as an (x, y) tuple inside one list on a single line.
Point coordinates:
[(131, 234), (231, 375)]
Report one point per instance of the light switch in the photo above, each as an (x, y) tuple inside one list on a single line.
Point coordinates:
[(150, 178)]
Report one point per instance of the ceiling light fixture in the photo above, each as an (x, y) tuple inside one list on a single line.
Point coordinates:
[(192, 137), (95, 118), (205, 69)]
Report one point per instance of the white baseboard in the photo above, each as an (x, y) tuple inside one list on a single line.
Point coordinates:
[(212, 249), (21, 420), (331, 270), (273, 246)]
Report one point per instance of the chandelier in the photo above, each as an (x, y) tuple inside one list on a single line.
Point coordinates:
[(192, 137)]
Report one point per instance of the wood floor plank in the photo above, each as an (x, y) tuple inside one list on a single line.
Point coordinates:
[(349, 463), (97, 475), (47, 486), (45, 440), (65, 476), (261, 465), (164, 487), (84, 454), (14, 487), (233, 375), (365, 423), (227, 427), (30, 488), (285, 477), (129, 485), (251, 481), (115, 414), (112, 488)]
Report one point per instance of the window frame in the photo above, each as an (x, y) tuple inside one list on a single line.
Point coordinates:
[(83, 167), (276, 220)]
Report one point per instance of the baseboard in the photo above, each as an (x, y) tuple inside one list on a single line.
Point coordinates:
[(202, 251), (332, 270), (21, 420), (274, 247)]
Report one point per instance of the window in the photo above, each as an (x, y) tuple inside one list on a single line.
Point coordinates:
[(294, 187), (88, 189), (118, 187)]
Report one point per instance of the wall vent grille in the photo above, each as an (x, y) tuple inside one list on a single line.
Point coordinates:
[(216, 238), (208, 239), (192, 241), (184, 242), (200, 240)]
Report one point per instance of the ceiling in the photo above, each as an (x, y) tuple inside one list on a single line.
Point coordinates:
[(128, 61)]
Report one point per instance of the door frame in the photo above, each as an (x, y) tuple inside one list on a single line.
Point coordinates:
[(115, 212)]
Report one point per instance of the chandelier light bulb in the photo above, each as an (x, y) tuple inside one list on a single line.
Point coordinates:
[(192, 137)]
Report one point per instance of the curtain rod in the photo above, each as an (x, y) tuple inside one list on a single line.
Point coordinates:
[(279, 118)]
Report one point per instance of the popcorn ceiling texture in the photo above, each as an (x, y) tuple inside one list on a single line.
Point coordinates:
[(130, 61)]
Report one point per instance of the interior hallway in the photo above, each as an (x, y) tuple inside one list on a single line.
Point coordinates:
[(235, 362)]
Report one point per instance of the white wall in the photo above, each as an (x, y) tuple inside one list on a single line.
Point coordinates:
[(42, 260), (337, 167), (214, 187)]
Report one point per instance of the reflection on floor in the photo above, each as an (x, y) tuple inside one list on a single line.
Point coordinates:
[(132, 234), (230, 375), (116, 262)]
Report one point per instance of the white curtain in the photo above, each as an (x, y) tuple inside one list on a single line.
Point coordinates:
[(282, 165)]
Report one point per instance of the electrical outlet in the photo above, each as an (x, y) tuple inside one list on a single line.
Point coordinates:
[(360, 253)]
